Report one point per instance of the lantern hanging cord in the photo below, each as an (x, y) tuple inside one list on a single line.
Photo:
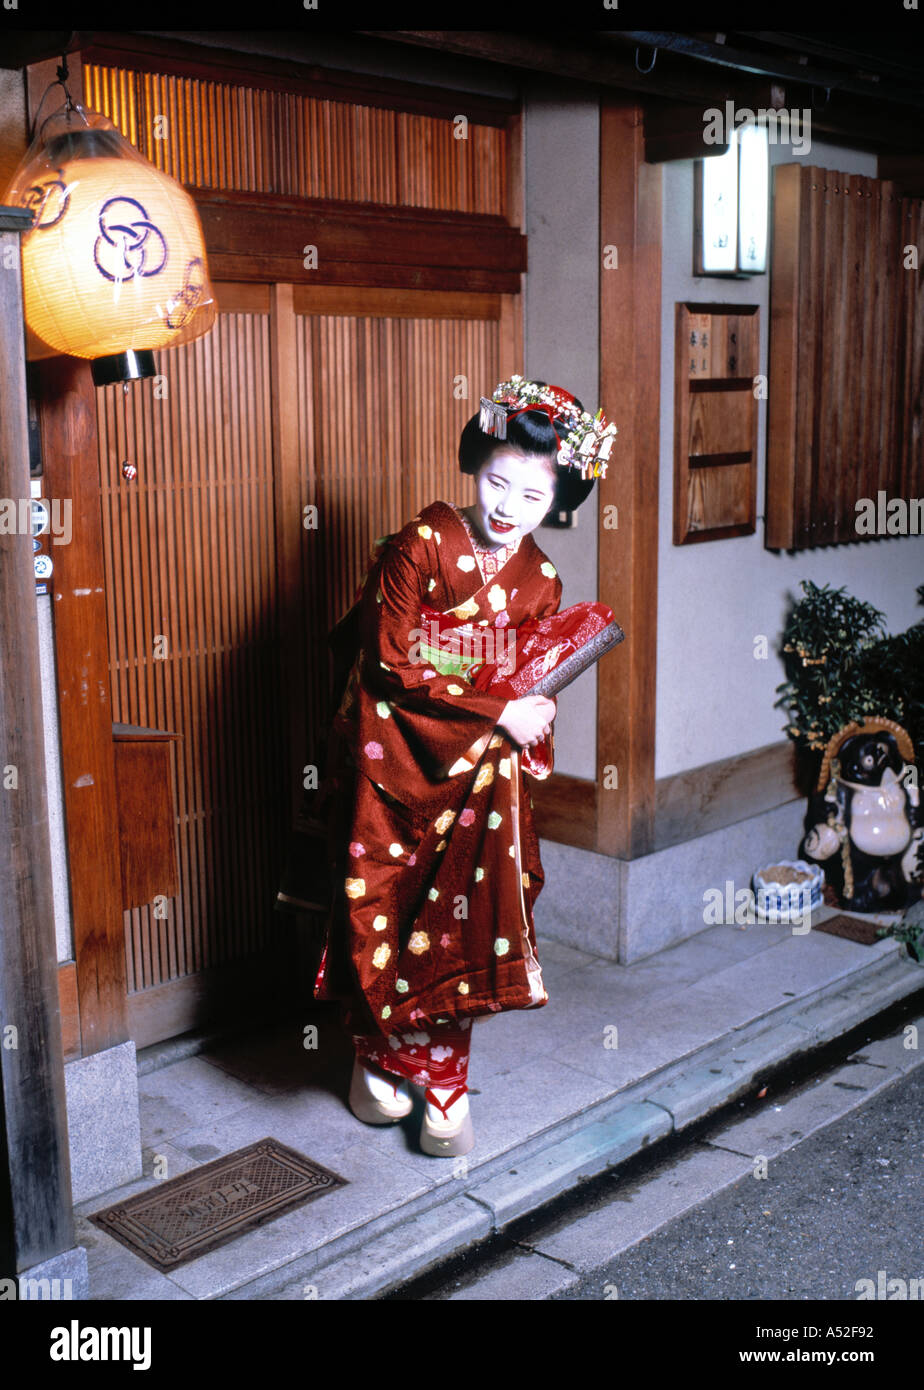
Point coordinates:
[(62, 72)]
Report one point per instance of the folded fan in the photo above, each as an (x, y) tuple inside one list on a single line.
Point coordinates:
[(551, 652)]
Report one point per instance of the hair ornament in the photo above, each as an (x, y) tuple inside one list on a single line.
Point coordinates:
[(587, 445)]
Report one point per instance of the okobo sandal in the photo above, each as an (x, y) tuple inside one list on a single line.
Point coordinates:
[(378, 1109), (447, 1138)]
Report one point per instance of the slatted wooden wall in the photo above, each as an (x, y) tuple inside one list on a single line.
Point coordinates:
[(193, 626), (846, 396), (192, 573), (378, 435), (231, 136)]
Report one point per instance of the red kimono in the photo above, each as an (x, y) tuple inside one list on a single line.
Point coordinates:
[(430, 828)]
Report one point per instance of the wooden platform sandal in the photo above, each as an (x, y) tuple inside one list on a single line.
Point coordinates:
[(447, 1138), (373, 1109)]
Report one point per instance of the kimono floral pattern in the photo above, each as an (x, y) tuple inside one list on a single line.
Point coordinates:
[(429, 817)]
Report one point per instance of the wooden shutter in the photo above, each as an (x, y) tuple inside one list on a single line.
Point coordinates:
[(846, 416)]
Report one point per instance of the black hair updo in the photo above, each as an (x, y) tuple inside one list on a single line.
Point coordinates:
[(531, 432)]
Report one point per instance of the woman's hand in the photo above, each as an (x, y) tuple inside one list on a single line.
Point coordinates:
[(528, 720)]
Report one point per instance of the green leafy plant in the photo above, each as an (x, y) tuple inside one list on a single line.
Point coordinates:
[(909, 929), (841, 665)]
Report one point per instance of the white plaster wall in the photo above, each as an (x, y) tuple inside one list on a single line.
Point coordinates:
[(714, 700), (561, 341)]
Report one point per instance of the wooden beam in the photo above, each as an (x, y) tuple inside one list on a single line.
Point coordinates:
[(787, 213), (263, 237), (36, 1220), (32, 46), (865, 121), (630, 372), (579, 58), (152, 53), (565, 809), (67, 413), (66, 401), (674, 130), (291, 535), (371, 302), (694, 802)]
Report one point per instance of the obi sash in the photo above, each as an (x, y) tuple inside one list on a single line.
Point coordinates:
[(539, 656)]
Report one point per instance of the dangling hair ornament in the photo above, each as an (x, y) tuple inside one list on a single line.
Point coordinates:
[(589, 440), (493, 418)]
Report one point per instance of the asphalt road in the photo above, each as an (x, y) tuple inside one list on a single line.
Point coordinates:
[(837, 1208), (844, 1204)]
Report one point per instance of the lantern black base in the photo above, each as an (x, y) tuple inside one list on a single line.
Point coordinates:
[(123, 366)]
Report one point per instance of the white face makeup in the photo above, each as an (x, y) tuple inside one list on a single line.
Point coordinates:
[(514, 493)]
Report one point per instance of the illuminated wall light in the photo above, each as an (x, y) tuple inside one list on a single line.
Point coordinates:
[(731, 202), (114, 265)]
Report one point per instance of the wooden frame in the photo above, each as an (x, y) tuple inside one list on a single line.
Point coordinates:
[(715, 421)]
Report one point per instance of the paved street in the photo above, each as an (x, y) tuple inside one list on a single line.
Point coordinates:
[(842, 1201), (833, 1210)]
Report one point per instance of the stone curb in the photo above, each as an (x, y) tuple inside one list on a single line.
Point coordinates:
[(578, 1147)]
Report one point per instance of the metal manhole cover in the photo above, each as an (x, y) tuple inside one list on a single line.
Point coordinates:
[(188, 1216)]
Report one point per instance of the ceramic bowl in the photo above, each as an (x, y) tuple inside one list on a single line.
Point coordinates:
[(779, 901)]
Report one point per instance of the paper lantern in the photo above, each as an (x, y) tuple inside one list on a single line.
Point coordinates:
[(114, 265)]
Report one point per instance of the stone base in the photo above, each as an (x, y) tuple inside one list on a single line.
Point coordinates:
[(103, 1123), (63, 1277), (625, 909)]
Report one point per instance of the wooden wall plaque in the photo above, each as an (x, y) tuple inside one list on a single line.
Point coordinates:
[(715, 421)]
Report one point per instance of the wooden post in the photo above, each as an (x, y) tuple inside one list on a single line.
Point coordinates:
[(630, 375), (36, 1220)]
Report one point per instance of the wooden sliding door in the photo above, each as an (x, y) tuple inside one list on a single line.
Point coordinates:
[(220, 598), (377, 383)]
